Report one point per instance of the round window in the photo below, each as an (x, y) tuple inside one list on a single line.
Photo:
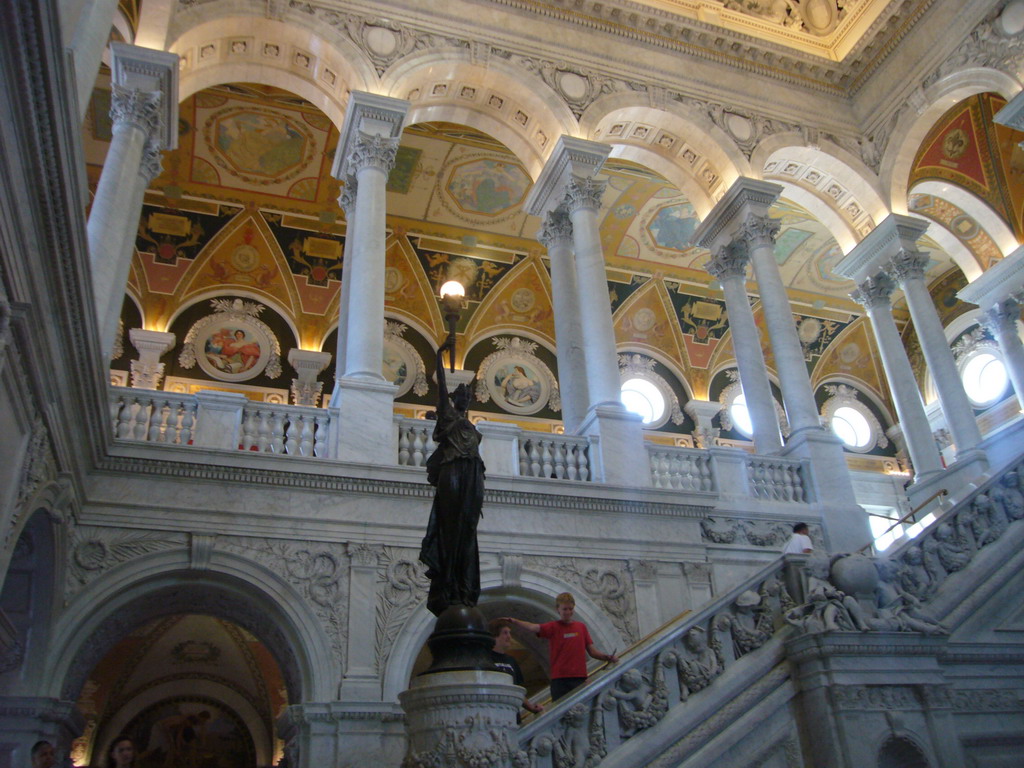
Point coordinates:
[(851, 427), (644, 398), (740, 415), (984, 377)]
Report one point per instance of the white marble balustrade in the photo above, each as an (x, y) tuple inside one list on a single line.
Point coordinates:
[(777, 479), (156, 417), (282, 429), (415, 441), (680, 469), (560, 457)]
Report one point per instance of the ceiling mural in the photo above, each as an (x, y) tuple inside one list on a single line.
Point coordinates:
[(967, 148), (246, 208), (963, 226)]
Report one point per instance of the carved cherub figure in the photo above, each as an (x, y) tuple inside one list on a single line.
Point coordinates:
[(747, 635), (572, 747), (633, 695), (955, 546), (989, 522), (702, 666), (1007, 495), (914, 576), (825, 611), (896, 610)]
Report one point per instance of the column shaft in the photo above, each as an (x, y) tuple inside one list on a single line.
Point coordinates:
[(572, 373), (795, 382), (348, 203), (924, 455), (1002, 319), (373, 158), (729, 266), (604, 387), (114, 217), (908, 270)]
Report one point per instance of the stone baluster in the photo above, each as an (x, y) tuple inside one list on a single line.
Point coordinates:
[(729, 266), (145, 121), (874, 295), (556, 236), (363, 401), (907, 268)]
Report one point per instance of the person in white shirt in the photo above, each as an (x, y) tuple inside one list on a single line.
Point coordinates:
[(799, 542)]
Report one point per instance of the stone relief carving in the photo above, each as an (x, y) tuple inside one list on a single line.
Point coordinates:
[(758, 533), (641, 700), (94, 551), (39, 465), (454, 750), (698, 663), (315, 570), (403, 586), (578, 87), (608, 583), (986, 46), (877, 697), (577, 741)]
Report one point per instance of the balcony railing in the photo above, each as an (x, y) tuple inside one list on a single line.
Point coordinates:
[(217, 420)]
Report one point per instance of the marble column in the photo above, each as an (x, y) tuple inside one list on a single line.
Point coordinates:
[(1002, 319), (147, 371), (362, 424), (759, 231), (1000, 292), (583, 201), (907, 268), (874, 295), (145, 121), (556, 236), (85, 28), (347, 201), (567, 183), (729, 266)]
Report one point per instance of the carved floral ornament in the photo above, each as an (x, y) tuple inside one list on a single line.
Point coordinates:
[(232, 344), (516, 379), (637, 366), (843, 396), (402, 365)]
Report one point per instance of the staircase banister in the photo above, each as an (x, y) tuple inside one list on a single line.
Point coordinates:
[(647, 649)]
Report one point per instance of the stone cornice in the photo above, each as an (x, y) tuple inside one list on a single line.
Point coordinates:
[(1001, 281), (743, 196), (570, 157), (367, 113), (565, 496), (894, 234), (150, 71)]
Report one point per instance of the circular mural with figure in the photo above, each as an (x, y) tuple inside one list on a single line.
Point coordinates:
[(486, 186), (516, 379), (232, 344)]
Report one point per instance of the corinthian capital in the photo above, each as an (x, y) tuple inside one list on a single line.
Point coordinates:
[(1003, 316), (729, 261), (874, 292), (371, 151), (759, 230), (141, 109), (556, 227), (907, 264), (584, 193)]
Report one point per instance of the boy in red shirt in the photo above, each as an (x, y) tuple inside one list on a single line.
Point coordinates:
[(568, 643)]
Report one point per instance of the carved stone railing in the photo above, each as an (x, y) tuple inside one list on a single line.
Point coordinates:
[(681, 469), (282, 429), (777, 479), (561, 457), (156, 417), (672, 669), (415, 441)]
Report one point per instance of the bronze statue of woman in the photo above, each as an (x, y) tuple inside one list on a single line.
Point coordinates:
[(455, 469)]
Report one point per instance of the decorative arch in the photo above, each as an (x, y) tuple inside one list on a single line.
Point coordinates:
[(532, 587), (503, 101), (273, 55), (697, 143), (913, 125), (219, 584)]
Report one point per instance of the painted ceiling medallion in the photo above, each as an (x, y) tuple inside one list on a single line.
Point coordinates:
[(258, 145), (486, 187), (516, 379), (232, 344)]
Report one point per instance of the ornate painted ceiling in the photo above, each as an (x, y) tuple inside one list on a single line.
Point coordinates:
[(246, 208)]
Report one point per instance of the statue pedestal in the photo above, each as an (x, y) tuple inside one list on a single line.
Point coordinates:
[(461, 719)]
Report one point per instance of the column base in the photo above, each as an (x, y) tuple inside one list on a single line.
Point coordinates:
[(845, 522), (362, 422), (339, 734), (618, 455), (470, 713)]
